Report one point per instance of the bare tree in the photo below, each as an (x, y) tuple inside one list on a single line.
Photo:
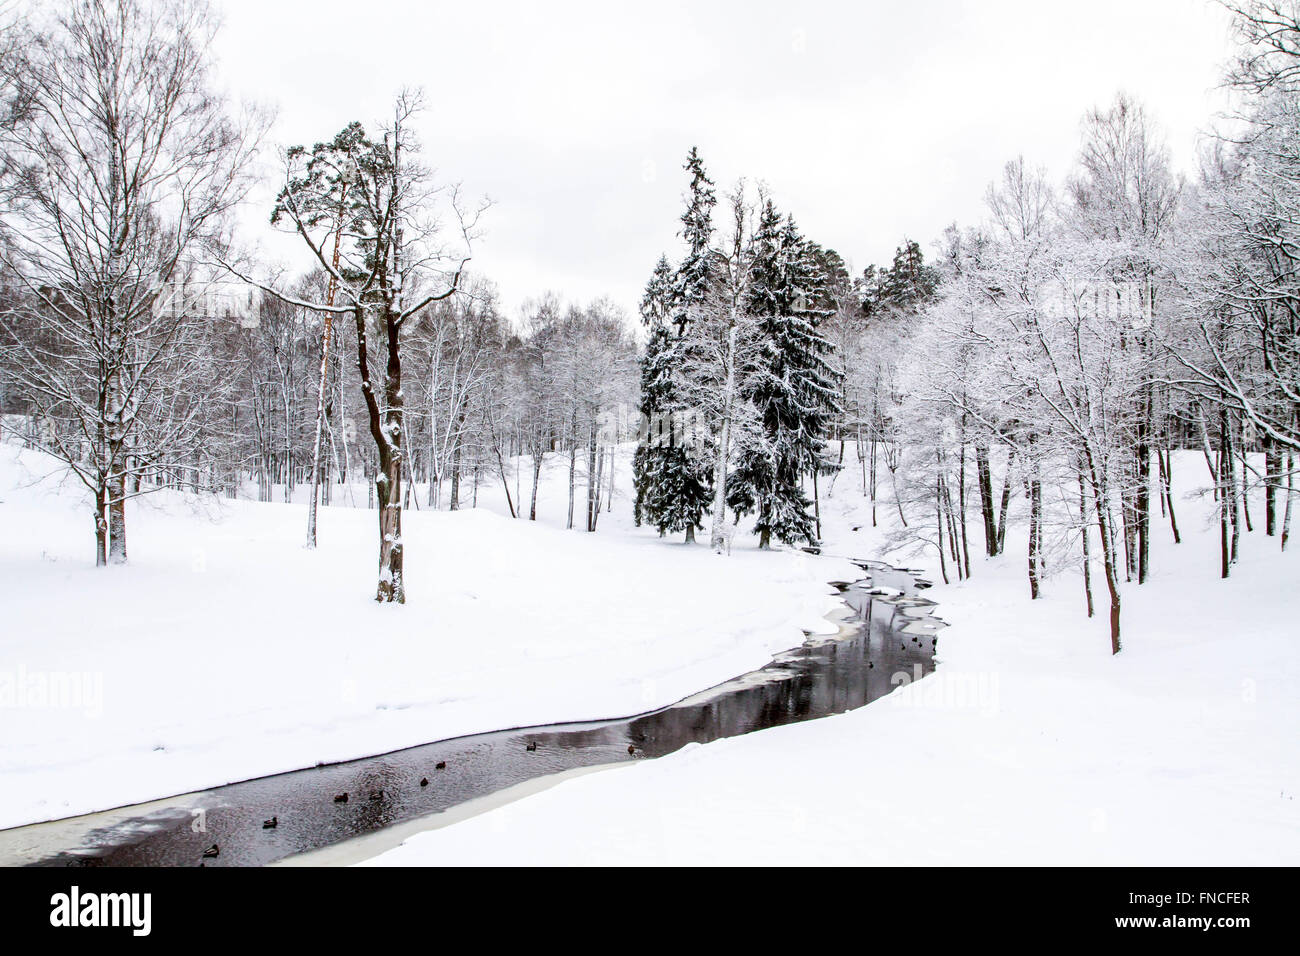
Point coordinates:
[(122, 162), (392, 266)]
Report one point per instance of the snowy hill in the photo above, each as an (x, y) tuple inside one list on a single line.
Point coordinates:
[(225, 650)]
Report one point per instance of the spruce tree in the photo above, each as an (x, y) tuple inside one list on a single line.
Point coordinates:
[(673, 474), (696, 276), (797, 395), (670, 475), (656, 395)]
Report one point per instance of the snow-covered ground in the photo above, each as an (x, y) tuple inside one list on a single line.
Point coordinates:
[(225, 650), (1030, 745)]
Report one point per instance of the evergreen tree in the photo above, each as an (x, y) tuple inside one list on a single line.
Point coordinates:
[(670, 474), (672, 478), (837, 283), (674, 474), (696, 277), (655, 394), (908, 283), (797, 395)]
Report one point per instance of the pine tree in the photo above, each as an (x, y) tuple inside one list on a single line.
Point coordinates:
[(909, 283), (673, 474), (671, 479), (797, 395)]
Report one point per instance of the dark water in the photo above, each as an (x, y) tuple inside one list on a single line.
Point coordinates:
[(888, 634)]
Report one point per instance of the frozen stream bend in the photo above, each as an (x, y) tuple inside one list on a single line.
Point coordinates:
[(888, 635)]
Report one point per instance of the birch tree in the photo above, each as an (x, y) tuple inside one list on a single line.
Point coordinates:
[(122, 163)]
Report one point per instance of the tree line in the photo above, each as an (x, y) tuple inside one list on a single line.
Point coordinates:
[(132, 350), (1087, 329), (1039, 368)]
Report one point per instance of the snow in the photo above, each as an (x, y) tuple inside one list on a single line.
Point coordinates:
[(226, 650), (1030, 745)]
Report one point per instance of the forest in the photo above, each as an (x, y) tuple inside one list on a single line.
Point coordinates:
[(1039, 366)]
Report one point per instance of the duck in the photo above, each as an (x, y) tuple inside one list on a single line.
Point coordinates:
[(424, 781), (271, 824), (341, 798), (440, 765), (532, 745), (211, 851), (631, 748)]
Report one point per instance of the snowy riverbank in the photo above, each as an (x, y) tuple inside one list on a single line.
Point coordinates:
[(1030, 745), (225, 650)]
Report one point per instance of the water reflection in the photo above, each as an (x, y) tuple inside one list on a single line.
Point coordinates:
[(889, 632)]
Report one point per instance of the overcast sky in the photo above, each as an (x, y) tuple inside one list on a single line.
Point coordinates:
[(870, 121)]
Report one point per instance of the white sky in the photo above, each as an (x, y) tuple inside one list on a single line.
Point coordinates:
[(870, 121)]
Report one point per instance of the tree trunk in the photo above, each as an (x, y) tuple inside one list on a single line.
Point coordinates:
[(984, 477), (817, 505), (388, 489), (1225, 553), (1005, 502), (609, 495), (592, 478), (1100, 498), (873, 482), (320, 410), (1112, 580), (961, 505), (938, 523), (501, 468), (1167, 489), (1083, 529), (537, 477), (116, 520), (1290, 491), (573, 462), (1035, 532), (101, 527), (454, 503), (1230, 481), (1244, 484), (1142, 503), (718, 532), (1272, 467), (386, 430)]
